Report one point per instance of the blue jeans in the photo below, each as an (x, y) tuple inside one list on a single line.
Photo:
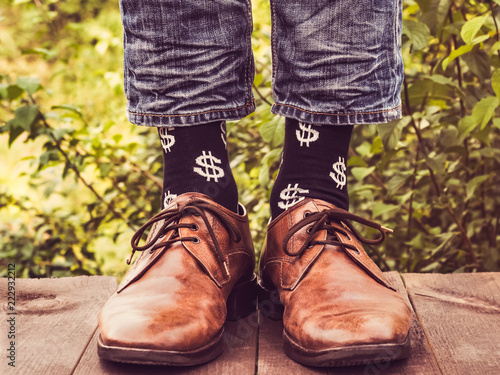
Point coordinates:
[(335, 62)]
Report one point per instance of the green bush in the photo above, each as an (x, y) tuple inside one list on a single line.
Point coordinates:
[(79, 179)]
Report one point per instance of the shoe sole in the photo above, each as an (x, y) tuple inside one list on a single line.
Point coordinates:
[(270, 306), (346, 356), (241, 302), (161, 357)]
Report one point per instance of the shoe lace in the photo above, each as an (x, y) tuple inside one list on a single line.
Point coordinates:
[(171, 223), (322, 220)]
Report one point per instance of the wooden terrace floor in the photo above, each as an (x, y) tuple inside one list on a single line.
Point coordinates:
[(456, 330)]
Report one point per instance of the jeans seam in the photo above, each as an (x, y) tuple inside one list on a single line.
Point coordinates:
[(273, 44), (249, 49), (338, 114), (192, 114)]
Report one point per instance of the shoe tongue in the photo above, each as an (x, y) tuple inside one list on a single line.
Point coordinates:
[(322, 205), (311, 205)]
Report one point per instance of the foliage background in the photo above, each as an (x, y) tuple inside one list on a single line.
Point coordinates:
[(76, 179)]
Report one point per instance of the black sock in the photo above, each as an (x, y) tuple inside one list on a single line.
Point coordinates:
[(313, 165), (195, 160)]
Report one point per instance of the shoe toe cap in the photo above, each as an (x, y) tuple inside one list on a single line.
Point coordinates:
[(162, 329), (352, 328)]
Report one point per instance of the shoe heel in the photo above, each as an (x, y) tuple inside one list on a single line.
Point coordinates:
[(269, 303), (243, 300)]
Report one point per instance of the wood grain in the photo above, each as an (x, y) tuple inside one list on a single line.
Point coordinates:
[(56, 319), (272, 359), (238, 358), (460, 314)]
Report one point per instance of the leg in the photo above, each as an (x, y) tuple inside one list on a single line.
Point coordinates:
[(188, 68), (336, 63), (190, 63)]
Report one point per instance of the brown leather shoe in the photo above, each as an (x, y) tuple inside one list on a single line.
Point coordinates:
[(196, 269), (339, 309)]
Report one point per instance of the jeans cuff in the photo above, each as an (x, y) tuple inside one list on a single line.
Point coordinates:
[(348, 118), (158, 119)]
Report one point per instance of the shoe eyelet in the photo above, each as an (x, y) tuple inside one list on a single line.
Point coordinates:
[(357, 251), (309, 229), (195, 227), (348, 237), (306, 214), (196, 240)]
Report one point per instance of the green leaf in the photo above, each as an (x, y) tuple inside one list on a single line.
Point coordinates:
[(268, 160), (60, 132), (397, 181), (10, 92), (417, 32), (14, 131), (361, 173), (442, 80), (68, 107), (434, 13), (45, 53), (357, 161), (480, 39), (474, 183), (479, 63), (436, 162), (495, 82), (273, 131), (481, 114), (424, 5), (105, 168), (390, 133), (495, 47), (486, 109), (466, 125), (456, 53), (472, 27), (258, 79), (264, 175), (29, 84), (380, 208), (117, 137), (25, 116)]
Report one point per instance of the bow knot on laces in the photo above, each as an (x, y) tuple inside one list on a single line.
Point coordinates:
[(170, 223), (322, 220)]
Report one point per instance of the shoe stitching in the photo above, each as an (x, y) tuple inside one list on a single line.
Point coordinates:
[(193, 114), (338, 114)]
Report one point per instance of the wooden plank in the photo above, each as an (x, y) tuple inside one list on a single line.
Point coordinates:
[(272, 359), (238, 358), (460, 314), (56, 318)]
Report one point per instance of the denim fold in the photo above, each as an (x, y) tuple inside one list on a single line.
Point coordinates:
[(335, 62)]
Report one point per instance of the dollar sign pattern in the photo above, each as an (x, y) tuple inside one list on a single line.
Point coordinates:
[(169, 197), (209, 170), (167, 140), (290, 196), (223, 135), (306, 134), (339, 175)]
